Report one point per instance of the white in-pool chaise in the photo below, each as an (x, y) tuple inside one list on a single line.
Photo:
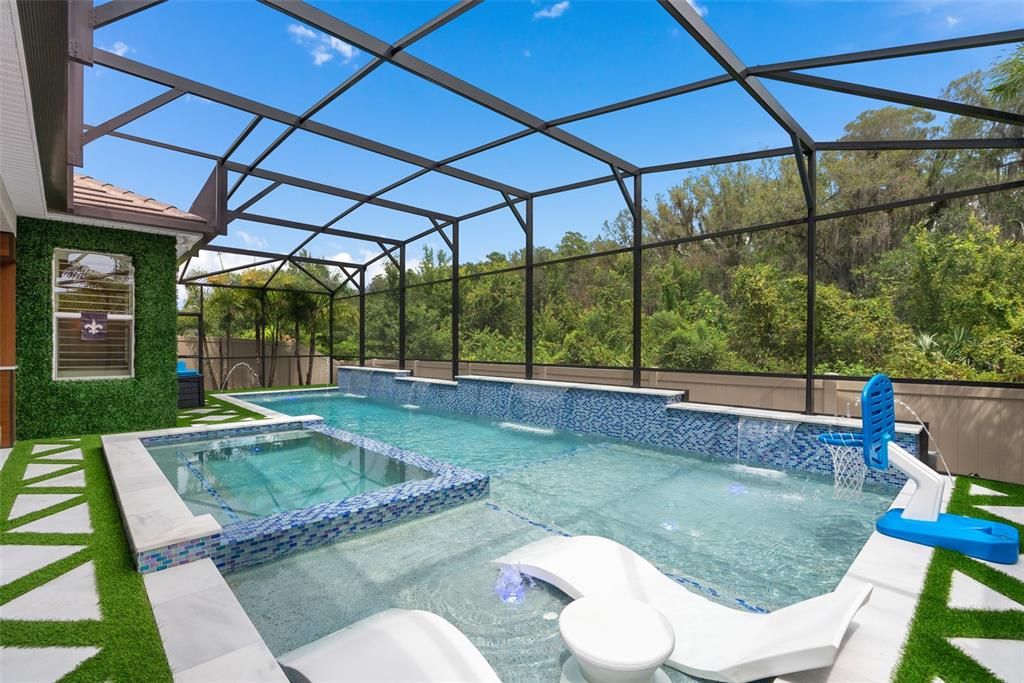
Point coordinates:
[(711, 640), (393, 646)]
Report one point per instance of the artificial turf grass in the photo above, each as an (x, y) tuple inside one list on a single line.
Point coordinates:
[(186, 419), (127, 636), (927, 654)]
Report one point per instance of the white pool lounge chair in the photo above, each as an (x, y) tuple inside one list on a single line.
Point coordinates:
[(395, 645), (712, 640)]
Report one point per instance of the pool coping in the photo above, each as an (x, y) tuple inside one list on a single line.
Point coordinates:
[(154, 514), (788, 416), (163, 532), (642, 391)]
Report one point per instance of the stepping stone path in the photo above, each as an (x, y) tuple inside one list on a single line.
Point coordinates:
[(32, 664), (1004, 658), (75, 454), (1010, 512), (968, 593), (17, 561), (977, 490), (72, 479), (69, 596)]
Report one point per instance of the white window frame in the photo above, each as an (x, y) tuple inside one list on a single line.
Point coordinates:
[(57, 315)]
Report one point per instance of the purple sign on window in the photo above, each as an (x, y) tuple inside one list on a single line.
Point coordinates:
[(93, 326)]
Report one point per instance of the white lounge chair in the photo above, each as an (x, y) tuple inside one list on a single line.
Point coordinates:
[(395, 645), (712, 641)]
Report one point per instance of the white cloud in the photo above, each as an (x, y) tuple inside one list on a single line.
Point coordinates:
[(250, 239), (322, 47), (952, 21), (119, 48), (341, 47), (320, 55), (301, 33), (552, 11), (700, 9)]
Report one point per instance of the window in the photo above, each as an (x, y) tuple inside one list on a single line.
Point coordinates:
[(93, 346)]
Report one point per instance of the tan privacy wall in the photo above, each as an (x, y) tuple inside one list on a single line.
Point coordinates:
[(221, 356), (980, 430)]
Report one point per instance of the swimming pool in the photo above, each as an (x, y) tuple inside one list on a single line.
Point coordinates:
[(724, 523)]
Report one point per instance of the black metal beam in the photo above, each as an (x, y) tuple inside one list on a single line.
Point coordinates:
[(233, 147), (938, 144), (149, 73), (528, 294), (275, 257), (330, 340), (423, 31), (638, 239), (401, 308), (625, 193), (286, 179), (233, 213), (115, 10), (184, 279), (932, 47), (362, 317), (812, 253), (806, 182), (316, 229), (643, 99), (898, 97), (690, 19), (314, 278), (456, 303), (515, 212), (353, 36), (123, 119)]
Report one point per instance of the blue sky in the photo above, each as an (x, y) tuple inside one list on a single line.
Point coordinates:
[(550, 58)]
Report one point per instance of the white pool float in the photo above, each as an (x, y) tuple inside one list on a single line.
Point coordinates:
[(393, 646), (711, 640)]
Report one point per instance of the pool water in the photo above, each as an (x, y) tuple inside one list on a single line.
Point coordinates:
[(748, 537), (244, 477)]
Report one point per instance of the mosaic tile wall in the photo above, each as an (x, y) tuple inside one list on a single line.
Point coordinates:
[(640, 418), (254, 541)]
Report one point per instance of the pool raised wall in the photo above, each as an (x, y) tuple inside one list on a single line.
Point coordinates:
[(653, 417)]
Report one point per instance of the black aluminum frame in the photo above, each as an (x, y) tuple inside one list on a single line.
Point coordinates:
[(750, 78)]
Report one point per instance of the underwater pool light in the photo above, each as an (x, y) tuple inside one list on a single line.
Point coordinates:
[(510, 586)]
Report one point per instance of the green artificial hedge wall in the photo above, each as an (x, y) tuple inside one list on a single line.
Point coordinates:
[(47, 408)]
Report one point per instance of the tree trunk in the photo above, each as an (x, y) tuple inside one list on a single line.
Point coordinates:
[(273, 356), (298, 358), (312, 351)]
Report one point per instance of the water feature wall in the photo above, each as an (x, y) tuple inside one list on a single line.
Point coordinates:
[(652, 417)]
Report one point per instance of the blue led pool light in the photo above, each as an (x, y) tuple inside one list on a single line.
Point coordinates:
[(511, 585), (920, 521)]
